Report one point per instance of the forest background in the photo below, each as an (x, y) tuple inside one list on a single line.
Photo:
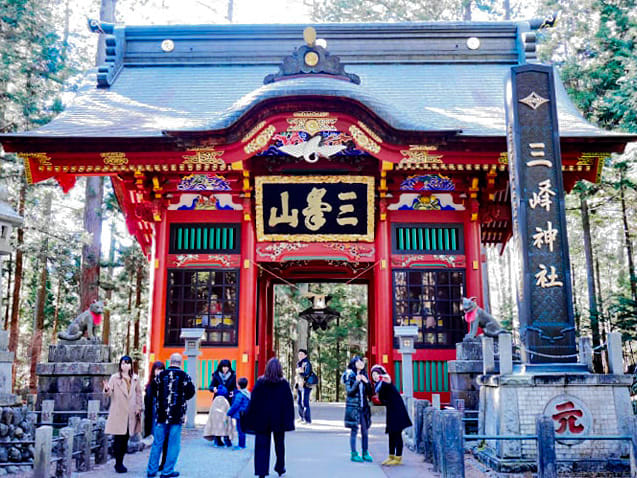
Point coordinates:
[(74, 247)]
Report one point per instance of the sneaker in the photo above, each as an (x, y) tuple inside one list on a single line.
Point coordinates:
[(367, 456), (237, 447), (170, 475), (151, 475), (356, 457), (389, 460)]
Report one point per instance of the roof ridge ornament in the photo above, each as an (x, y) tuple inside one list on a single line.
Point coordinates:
[(311, 58)]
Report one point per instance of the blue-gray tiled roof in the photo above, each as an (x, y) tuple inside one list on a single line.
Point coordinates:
[(417, 90)]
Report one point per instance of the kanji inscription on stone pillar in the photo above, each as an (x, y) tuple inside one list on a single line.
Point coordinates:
[(539, 222)]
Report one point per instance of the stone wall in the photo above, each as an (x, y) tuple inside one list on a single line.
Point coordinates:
[(17, 425)]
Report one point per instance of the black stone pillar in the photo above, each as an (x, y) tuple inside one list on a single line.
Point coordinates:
[(539, 222)]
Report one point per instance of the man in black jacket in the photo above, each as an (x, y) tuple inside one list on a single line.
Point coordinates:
[(303, 370), (172, 388)]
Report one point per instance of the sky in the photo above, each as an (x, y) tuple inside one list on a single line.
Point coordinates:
[(212, 11)]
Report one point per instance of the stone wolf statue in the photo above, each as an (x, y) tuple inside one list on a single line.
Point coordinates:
[(87, 321), (477, 317)]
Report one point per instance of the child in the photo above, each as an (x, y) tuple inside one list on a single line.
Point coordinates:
[(357, 411), (219, 424), (240, 404), (397, 418)]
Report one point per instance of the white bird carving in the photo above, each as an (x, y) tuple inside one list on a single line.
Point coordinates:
[(311, 150)]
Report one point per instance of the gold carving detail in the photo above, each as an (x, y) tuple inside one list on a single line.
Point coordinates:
[(503, 158), (252, 132), (114, 159), (41, 158), (533, 101), (311, 114), (588, 159), (369, 131), (363, 141), (260, 218), (312, 125), (418, 155), (260, 141), (207, 156)]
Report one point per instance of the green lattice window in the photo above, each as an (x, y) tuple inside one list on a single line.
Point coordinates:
[(428, 238), (203, 237)]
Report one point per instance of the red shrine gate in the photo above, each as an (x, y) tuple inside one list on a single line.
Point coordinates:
[(396, 177)]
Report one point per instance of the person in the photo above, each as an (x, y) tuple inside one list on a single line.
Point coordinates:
[(219, 424), (172, 389), (271, 411), (224, 375), (397, 418), (150, 408), (303, 371), (125, 412), (357, 411), (240, 404)]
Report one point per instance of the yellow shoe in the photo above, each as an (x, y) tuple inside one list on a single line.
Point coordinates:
[(390, 459), (398, 460)]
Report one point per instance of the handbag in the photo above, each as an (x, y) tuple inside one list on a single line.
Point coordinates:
[(311, 380)]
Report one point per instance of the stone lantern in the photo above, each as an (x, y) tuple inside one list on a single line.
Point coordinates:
[(192, 338), (407, 335)]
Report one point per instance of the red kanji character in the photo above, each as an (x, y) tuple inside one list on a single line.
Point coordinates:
[(567, 417)]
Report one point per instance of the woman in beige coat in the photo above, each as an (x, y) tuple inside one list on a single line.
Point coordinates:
[(124, 415)]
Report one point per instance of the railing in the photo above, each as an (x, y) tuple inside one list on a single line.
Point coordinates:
[(440, 435), (76, 442)]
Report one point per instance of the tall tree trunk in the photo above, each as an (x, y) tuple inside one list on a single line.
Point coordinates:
[(230, 10), (56, 316), (507, 9), (38, 325), (138, 305), (603, 355), (90, 275), (107, 14), (590, 281), (106, 326), (466, 10), (338, 357), (8, 298), (130, 309), (14, 328), (629, 242)]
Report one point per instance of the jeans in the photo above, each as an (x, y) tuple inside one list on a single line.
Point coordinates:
[(242, 436), (396, 443), (364, 434), (303, 396), (161, 433), (262, 453)]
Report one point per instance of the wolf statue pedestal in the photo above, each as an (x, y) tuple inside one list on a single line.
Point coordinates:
[(73, 375)]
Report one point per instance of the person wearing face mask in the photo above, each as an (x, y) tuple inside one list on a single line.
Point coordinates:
[(124, 414), (357, 410)]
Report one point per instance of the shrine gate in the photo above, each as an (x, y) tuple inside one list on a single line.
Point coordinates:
[(241, 153)]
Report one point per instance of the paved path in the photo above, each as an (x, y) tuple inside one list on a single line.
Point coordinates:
[(320, 449)]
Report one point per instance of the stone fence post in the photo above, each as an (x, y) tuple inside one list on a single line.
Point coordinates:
[(47, 412), (101, 454), (93, 410), (546, 458), (42, 455), (488, 355), (436, 431), (452, 444), (633, 449), (615, 354), (419, 407), (65, 464), (427, 432), (84, 458)]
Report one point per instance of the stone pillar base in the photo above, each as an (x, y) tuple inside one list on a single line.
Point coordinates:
[(578, 403), (72, 376)]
